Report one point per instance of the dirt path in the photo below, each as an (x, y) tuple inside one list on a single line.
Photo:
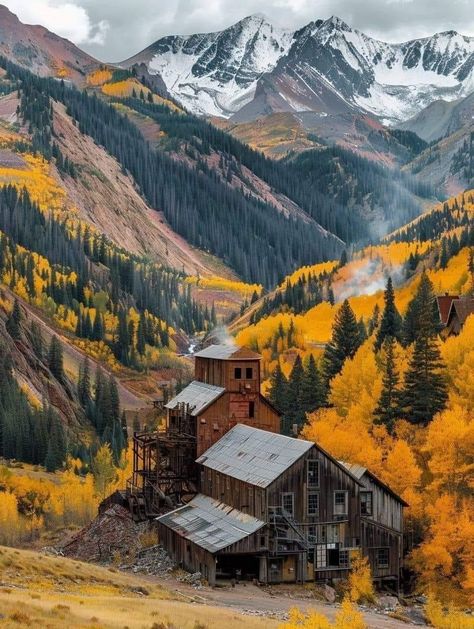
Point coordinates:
[(251, 599)]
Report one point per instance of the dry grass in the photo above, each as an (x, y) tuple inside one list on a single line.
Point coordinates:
[(54, 592)]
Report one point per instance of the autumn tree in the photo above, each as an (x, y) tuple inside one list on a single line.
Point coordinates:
[(103, 470)]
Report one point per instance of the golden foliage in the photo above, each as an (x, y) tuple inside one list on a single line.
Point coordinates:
[(349, 617), (361, 588), (449, 619), (99, 77)]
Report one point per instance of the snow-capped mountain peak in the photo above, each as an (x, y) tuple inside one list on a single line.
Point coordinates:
[(322, 66)]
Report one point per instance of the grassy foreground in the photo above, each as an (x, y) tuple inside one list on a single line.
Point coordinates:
[(54, 592)]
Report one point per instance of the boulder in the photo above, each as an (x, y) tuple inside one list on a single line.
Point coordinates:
[(329, 594)]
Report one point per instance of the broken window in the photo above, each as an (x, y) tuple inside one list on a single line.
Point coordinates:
[(288, 503), (366, 500), (251, 410), (340, 503), (313, 503), (238, 373), (383, 557), (249, 373), (312, 473), (344, 559)]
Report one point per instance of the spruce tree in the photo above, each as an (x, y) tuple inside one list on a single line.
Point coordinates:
[(422, 306), (14, 322), (55, 358), (388, 408), (311, 394), (294, 413), (344, 343), (425, 389), (391, 323), (278, 391)]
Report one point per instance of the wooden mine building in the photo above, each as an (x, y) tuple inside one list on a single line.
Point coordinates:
[(234, 497)]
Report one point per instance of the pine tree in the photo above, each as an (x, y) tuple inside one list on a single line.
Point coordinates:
[(391, 323), (388, 408), (13, 324), (344, 343), (141, 335), (422, 306), (56, 453), (294, 413), (98, 328), (311, 394), (55, 358), (374, 320), (425, 389), (84, 385), (278, 391)]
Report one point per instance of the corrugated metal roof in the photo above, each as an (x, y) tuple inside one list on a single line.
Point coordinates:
[(227, 352), (356, 470), (198, 395), (211, 524), (252, 455)]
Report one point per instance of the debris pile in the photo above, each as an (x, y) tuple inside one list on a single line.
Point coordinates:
[(112, 536), (154, 561)]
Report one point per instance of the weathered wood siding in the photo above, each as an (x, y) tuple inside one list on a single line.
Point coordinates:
[(221, 373), (386, 509), (231, 409)]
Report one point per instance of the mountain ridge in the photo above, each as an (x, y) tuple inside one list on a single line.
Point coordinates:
[(217, 73)]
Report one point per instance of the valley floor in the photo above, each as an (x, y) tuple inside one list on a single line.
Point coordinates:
[(55, 592)]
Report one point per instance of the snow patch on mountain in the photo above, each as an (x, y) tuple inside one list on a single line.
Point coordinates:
[(217, 73)]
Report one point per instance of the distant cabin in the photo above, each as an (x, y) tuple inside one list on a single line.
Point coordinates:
[(454, 311)]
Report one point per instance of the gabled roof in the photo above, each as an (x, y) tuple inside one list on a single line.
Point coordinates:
[(210, 524), (228, 352), (463, 307), (198, 395), (255, 456), (444, 306), (359, 471)]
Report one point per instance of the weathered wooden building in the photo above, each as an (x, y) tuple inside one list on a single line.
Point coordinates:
[(233, 496), (300, 513)]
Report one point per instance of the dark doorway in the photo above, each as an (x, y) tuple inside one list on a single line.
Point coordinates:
[(244, 567)]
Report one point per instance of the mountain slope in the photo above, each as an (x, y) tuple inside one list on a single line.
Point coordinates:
[(41, 51), (253, 69)]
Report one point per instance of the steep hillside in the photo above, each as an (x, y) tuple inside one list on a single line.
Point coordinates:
[(41, 51), (301, 310)]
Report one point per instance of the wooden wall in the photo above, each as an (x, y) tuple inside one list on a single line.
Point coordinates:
[(221, 373), (231, 409), (386, 509)]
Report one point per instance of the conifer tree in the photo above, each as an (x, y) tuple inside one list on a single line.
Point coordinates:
[(311, 394), (388, 408), (55, 358), (37, 341), (422, 306), (391, 323), (14, 322), (344, 343), (56, 452), (294, 413), (278, 391), (374, 320), (425, 389)]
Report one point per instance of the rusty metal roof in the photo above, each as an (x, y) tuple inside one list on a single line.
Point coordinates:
[(228, 352), (210, 524), (198, 395), (255, 456)]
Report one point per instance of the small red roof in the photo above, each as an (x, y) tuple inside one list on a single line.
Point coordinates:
[(444, 306)]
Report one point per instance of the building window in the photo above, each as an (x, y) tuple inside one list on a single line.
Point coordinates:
[(366, 500), (251, 410), (340, 503), (312, 534), (312, 473), (288, 503), (321, 556), (313, 503), (249, 373), (383, 557), (344, 559), (238, 373)]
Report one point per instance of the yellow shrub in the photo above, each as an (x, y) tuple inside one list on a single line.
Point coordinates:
[(361, 588), (449, 619)]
